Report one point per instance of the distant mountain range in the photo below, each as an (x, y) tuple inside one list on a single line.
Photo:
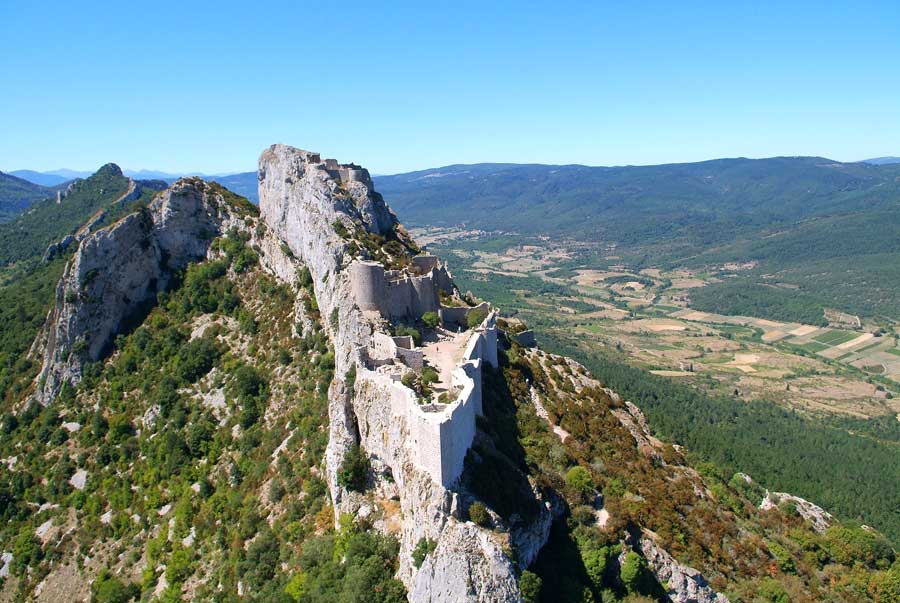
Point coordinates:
[(830, 228), (53, 177), (883, 160), (40, 178), (18, 194)]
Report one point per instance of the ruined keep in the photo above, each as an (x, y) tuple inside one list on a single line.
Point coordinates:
[(409, 293)]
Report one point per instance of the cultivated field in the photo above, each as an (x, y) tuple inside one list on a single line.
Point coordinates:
[(645, 316)]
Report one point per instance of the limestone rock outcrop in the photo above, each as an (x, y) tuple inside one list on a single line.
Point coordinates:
[(683, 584), (818, 518), (302, 199), (117, 269)]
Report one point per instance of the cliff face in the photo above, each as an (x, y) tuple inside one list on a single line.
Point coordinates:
[(301, 200), (118, 269)]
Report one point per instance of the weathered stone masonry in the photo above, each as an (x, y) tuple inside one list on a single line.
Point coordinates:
[(440, 435)]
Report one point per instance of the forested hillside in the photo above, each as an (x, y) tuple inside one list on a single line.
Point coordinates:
[(47, 221), (832, 229), (17, 194)]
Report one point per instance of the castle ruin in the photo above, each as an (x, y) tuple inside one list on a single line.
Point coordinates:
[(441, 428)]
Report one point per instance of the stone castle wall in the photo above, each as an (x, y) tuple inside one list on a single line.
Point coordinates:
[(459, 315), (399, 295), (439, 436)]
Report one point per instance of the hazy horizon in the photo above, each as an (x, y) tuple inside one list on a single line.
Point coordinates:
[(223, 173)]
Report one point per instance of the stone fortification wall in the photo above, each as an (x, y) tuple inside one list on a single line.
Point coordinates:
[(384, 349), (525, 339), (367, 279), (411, 358), (398, 295), (424, 263), (458, 315), (439, 436)]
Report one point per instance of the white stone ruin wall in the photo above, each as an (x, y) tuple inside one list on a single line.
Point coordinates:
[(396, 298), (367, 282), (423, 295), (453, 315), (438, 441)]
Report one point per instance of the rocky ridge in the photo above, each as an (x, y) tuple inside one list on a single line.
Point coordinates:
[(115, 270), (301, 202), (307, 206)]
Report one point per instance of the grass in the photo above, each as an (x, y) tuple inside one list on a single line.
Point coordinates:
[(735, 330), (832, 338), (868, 347), (593, 328), (668, 308), (894, 351), (813, 346)]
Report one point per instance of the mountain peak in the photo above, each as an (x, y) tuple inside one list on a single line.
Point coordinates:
[(110, 170)]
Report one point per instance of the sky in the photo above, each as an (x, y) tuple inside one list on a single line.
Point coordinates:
[(205, 86)]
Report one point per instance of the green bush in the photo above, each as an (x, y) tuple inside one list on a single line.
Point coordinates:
[(109, 589), (855, 544), (27, 551), (424, 547), (886, 585), (354, 470), (530, 587), (350, 380), (782, 557), (476, 317), (579, 482), (771, 591), (636, 577), (352, 565), (429, 376), (478, 513), (431, 320)]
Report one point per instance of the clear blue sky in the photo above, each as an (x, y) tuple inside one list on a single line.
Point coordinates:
[(183, 86)]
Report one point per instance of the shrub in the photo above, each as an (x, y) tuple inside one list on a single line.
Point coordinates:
[(350, 380), (634, 574), (109, 589), (276, 491), (850, 544), (782, 557), (478, 513), (26, 551), (429, 376), (886, 585), (424, 547), (352, 565), (579, 482), (354, 470), (596, 561), (530, 587), (180, 565), (771, 591), (476, 317), (431, 319)]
